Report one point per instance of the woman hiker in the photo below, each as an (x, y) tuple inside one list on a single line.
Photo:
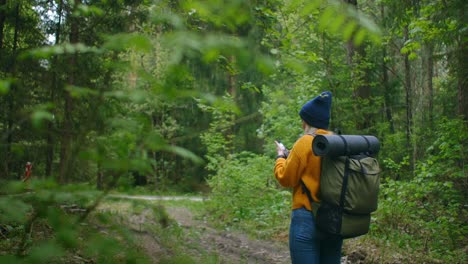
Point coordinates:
[(306, 244)]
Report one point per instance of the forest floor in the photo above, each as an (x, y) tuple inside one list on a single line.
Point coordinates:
[(227, 246), (230, 246)]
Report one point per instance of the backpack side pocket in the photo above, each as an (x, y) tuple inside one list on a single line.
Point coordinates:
[(329, 218)]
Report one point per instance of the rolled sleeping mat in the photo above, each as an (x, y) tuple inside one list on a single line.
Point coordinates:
[(345, 145)]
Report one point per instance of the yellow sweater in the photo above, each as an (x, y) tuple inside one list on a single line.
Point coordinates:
[(300, 164)]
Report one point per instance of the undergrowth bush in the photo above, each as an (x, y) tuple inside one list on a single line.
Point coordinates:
[(43, 222), (245, 194), (426, 213)]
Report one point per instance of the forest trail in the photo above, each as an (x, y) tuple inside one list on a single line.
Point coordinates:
[(230, 246), (158, 198)]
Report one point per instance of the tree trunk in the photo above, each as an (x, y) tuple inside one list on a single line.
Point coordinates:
[(157, 120), (231, 67), (385, 80), (430, 84), (54, 87), (2, 23), (67, 133), (408, 89), (387, 92), (99, 178), (462, 71), (363, 90), (100, 126), (351, 49), (11, 101)]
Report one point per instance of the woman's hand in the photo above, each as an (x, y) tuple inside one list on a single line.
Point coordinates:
[(281, 149)]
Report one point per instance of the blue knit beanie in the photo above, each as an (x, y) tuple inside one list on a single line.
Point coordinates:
[(316, 112)]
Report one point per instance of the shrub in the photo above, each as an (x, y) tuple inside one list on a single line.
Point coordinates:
[(244, 192), (43, 222), (426, 212)]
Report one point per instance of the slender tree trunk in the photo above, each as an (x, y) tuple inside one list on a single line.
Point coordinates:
[(156, 120), (462, 82), (100, 126), (2, 24), (430, 85), (462, 70), (3, 149), (328, 63), (351, 49), (11, 101), (232, 78), (387, 92), (408, 94), (363, 90), (385, 79), (67, 133), (54, 87), (100, 178)]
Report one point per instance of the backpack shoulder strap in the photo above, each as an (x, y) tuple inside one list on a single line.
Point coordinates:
[(313, 204), (304, 187), (307, 192)]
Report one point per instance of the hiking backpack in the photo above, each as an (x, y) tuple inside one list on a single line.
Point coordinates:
[(349, 184)]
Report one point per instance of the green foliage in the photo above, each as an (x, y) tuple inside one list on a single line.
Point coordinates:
[(394, 169), (425, 212), (49, 51), (218, 139), (245, 195), (13, 210), (421, 214), (123, 97), (338, 17), (280, 111), (46, 222), (447, 156), (45, 252), (4, 87), (392, 145)]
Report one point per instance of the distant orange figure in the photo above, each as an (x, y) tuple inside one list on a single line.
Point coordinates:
[(27, 172)]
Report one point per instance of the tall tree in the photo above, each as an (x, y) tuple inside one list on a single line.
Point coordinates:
[(385, 75), (54, 86), (3, 9), (408, 90), (67, 126), (429, 54), (11, 71), (359, 74), (462, 55)]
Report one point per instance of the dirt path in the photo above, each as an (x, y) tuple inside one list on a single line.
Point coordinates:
[(229, 246), (158, 198)]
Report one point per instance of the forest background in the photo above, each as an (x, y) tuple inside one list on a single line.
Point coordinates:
[(188, 97)]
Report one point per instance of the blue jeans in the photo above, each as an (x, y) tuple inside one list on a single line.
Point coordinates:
[(307, 245)]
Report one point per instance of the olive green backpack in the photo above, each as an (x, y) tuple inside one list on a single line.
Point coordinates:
[(349, 186)]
